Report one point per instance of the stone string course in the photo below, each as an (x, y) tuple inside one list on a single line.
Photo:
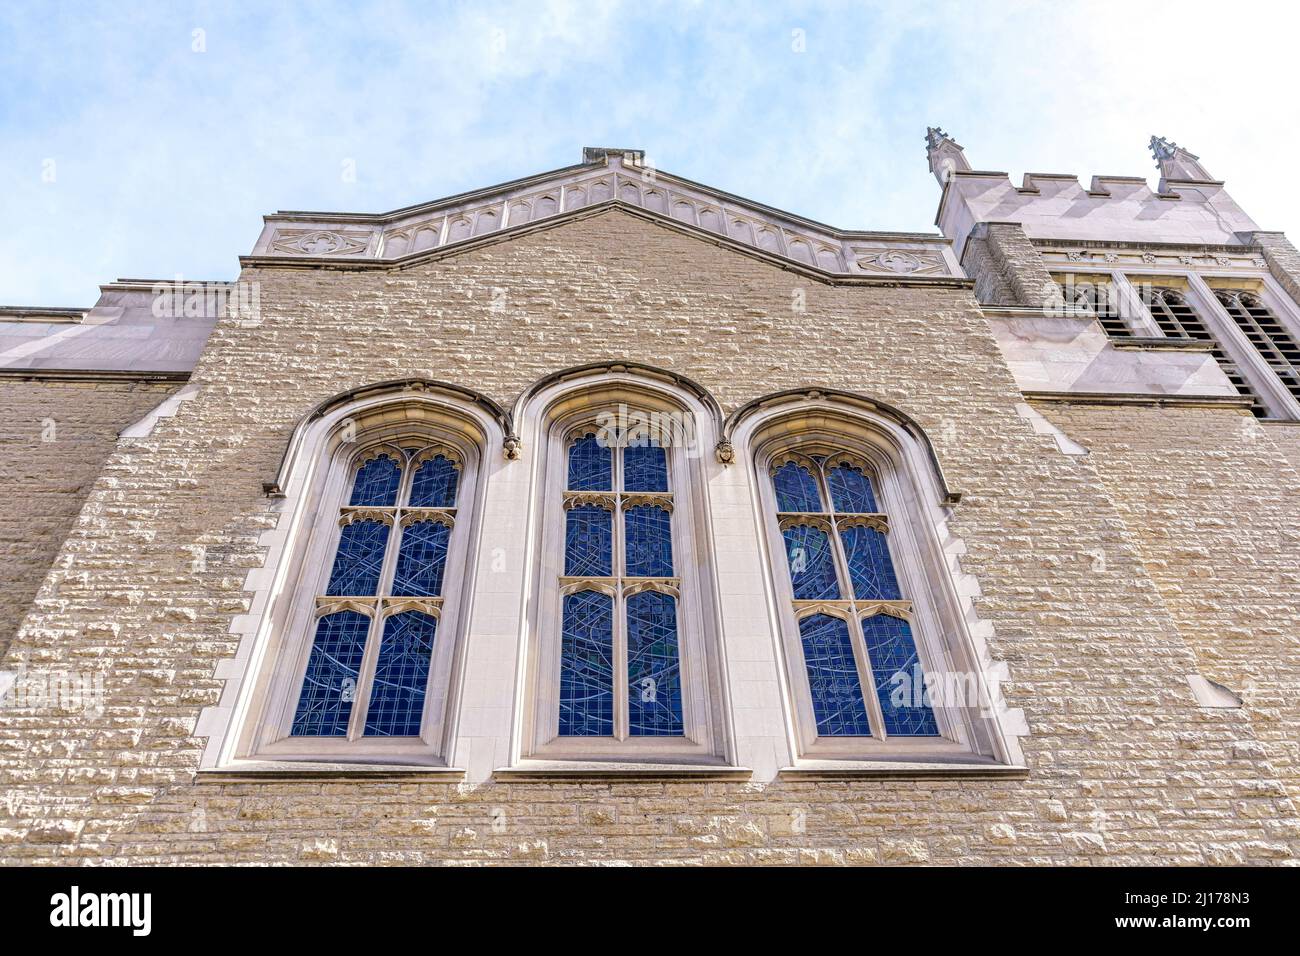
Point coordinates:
[(1123, 766)]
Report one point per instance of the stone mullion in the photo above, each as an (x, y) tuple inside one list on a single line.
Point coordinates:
[(375, 634), (866, 676)]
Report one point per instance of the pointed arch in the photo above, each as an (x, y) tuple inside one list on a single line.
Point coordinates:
[(869, 546), (630, 523), (383, 490), (881, 417), (369, 398)]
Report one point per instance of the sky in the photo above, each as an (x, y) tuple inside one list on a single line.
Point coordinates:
[(147, 140)]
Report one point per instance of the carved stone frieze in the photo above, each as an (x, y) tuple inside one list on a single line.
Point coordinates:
[(321, 242), (611, 177)]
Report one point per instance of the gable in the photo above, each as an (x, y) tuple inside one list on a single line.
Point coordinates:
[(607, 179)]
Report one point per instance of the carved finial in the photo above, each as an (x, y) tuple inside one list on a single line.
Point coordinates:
[(944, 153), (934, 135), (511, 446), (726, 452), (1162, 148), (1177, 164)]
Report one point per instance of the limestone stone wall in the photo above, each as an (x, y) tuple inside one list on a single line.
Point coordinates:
[(1286, 436), (1123, 766), (1283, 260), (1214, 506), (1006, 267), (54, 439)]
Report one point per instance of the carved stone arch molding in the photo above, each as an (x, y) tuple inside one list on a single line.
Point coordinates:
[(633, 371), (887, 420), (914, 493), (369, 400), (548, 414), (465, 425)]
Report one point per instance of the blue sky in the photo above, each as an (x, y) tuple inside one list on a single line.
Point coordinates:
[(127, 152)]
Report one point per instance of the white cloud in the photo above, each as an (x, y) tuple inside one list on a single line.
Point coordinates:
[(166, 159)]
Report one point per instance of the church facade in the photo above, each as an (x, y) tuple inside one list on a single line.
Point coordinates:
[(606, 517)]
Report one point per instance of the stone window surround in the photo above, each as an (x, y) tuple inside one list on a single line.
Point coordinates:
[(484, 729), (558, 415), (248, 729), (903, 484), (1198, 286)]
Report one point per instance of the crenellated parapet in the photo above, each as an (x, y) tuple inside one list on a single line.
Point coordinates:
[(1186, 206)]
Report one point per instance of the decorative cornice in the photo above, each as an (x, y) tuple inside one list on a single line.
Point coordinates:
[(953, 280), (608, 179), (90, 375), (1139, 398), (22, 313)]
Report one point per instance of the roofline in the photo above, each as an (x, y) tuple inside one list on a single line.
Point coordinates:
[(573, 215), (486, 192)]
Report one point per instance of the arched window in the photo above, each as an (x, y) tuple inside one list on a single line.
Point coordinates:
[(367, 672), (620, 665), (879, 663), (623, 662), (363, 645), (854, 622)]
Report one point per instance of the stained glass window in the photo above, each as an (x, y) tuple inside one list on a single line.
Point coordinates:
[(653, 664), (831, 647), (587, 666), (900, 682), (589, 542), (833, 677), (397, 695), (421, 559), (850, 490), (645, 468), (590, 465), (812, 563), (360, 559), (870, 567), (434, 484), (333, 669), (376, 483), (631, 537), (648, 531), (796, 489), (394, 706)]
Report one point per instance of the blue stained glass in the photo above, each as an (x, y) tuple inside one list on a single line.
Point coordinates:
[(796, 489), (812, 566), (434, 484), (587, 666), (589, 542), (851, 490), (870, 567), (421, 560), (359, 559), (649, 537), (838, 705), (376, 483), (645, 468), (330, 685), (902, 698), (401, 675), (654, 687), (590, 465)]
